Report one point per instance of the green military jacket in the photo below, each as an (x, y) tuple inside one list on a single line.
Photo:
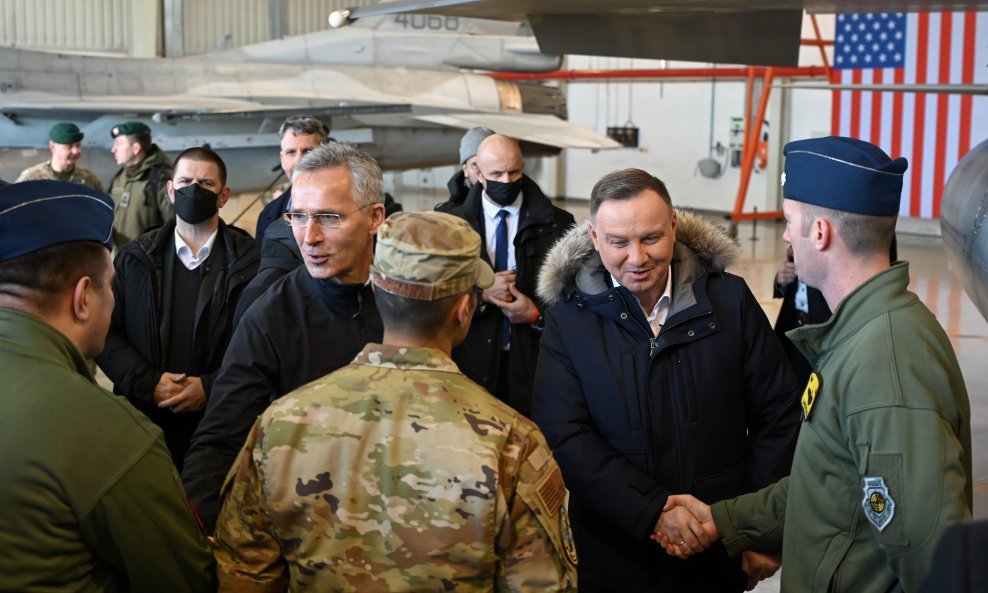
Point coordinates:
[(395, 473), (883, 461), (140, 197), (78, 174), (89, 498)]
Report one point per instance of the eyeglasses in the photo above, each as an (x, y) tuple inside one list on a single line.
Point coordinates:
[(300, 220)]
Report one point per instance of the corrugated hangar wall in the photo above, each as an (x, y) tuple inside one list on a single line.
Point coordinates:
[(107, 25), (207, 22), (242, 22), (75, 25)]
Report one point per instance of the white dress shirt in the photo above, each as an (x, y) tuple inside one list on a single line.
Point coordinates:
[(184, 252), (491, 220), (660, 311)]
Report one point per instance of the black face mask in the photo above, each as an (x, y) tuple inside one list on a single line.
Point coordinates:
[(195, 204), (502, 193)]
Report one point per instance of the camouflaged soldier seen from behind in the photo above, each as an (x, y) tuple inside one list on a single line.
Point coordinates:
[(396, 472)]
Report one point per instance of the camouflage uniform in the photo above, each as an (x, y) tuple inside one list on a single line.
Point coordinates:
[(395, 473), (78, 174), (140, 197)]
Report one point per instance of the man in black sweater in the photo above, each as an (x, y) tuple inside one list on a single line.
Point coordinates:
[(309, 323), (176, 288)]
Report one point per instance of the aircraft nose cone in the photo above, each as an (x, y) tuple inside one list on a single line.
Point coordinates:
[(962, 222)]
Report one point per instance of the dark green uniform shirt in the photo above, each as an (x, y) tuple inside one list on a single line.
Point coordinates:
[(883, 461), (138, 207), (89, 498)]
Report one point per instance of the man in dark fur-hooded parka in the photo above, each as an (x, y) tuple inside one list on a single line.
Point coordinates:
[(659, 373)]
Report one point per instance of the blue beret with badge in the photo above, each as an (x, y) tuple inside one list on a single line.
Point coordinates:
[(39, 214), (843, 174)]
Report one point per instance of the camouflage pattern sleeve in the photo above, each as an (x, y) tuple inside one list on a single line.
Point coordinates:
[(535, 541), (33, 173), (248, 557)]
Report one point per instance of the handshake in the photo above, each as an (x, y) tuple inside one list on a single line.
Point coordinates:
[(686, 527)]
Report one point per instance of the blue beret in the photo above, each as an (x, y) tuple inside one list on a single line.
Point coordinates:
[(39, 214), (843, 174)]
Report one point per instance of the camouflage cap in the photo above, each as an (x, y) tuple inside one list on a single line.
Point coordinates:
[(129, 128), (428, 256), (65, 133)]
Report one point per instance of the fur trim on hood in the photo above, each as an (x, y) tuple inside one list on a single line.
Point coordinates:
[(573, 258)]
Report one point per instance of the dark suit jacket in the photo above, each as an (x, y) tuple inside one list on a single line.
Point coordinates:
[(540, 225)]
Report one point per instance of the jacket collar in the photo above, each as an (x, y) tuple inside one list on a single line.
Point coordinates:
[(341, 299), (26, 335), (234, 242), (883, 292), (155, 158), (406, 359), (457, 183), (574, 266)]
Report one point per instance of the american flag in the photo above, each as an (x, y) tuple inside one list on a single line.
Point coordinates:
[(933, 131)]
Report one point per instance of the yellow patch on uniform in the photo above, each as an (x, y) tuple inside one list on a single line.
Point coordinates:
[(551, 491), (567, 532), (877, 502), (809, 394)]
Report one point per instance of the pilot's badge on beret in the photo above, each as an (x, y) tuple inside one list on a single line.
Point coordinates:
[(809, 394), (878, 504)]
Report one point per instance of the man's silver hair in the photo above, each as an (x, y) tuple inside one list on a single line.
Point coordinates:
[(304, 124), (368, 181)]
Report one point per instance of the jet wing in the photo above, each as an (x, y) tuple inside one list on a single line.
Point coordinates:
[(36, 85), (540, 129), (521, 10), (761, 32)]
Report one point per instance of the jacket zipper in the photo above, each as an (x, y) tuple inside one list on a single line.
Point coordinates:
[(646, 425), (653, 350)]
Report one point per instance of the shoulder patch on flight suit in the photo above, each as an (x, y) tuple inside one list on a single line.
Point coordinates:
[(878, 504), (813, 385)]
